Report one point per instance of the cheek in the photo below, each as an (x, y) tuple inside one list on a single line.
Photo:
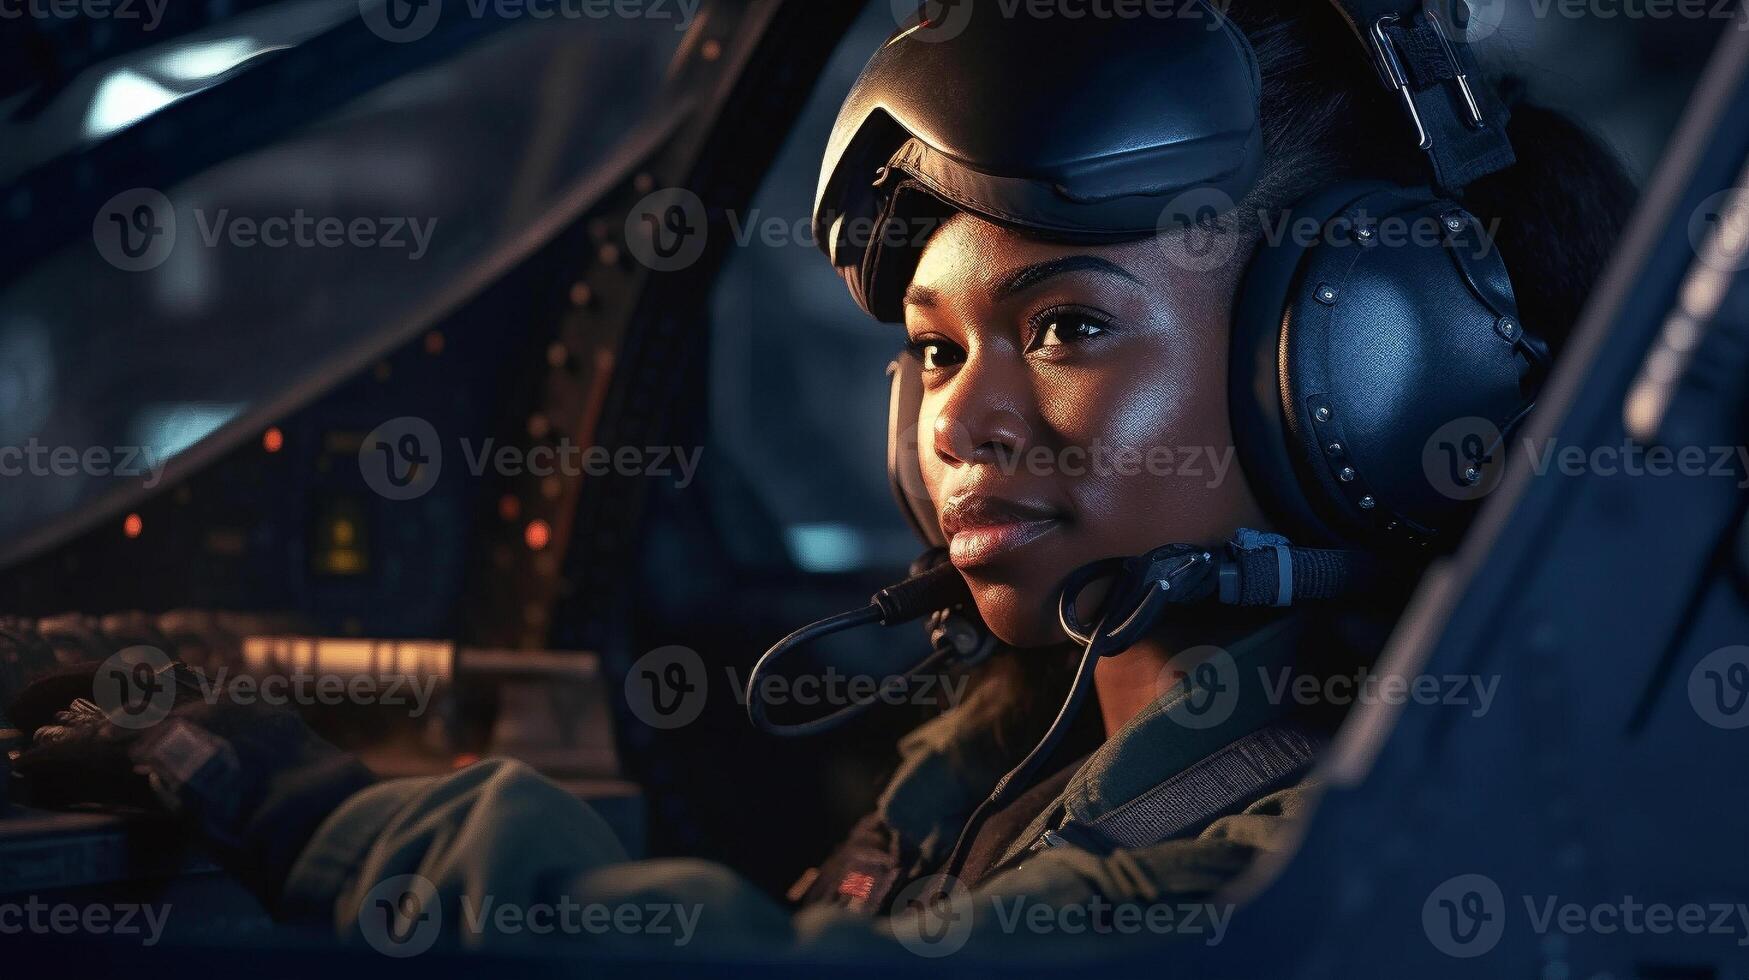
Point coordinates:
[(1156, 415), (929, 464), (1140, 396)]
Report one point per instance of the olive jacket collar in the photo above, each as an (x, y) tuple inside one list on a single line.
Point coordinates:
[(949, 765)]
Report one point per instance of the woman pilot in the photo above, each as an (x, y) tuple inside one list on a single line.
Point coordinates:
[(1099, 249)]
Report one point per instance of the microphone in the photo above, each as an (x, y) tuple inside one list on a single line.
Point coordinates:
[(940, 587)]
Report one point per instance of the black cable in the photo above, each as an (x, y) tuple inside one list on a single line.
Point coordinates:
[(865, 616), (1120, 625), (1142, 587), (1022, 775), (937, 587)]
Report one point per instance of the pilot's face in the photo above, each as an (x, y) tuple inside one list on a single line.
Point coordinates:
[(1074, 408)]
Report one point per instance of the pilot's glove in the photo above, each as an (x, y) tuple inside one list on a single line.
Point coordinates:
[(252, 780)]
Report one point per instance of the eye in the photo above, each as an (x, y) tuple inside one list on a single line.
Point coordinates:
[(1058, 327), (935, 352)]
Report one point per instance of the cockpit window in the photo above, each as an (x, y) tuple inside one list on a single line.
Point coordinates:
[(188, 309)]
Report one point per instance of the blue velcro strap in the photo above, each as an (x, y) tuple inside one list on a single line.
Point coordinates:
[(1284, 581)]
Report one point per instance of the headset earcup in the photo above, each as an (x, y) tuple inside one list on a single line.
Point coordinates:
[(1255, 369), (1392, 347), (904, 471)]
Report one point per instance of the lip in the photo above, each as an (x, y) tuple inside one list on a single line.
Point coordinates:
[(982, 529)]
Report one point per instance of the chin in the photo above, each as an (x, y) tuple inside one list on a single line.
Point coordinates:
[(1021, 614)]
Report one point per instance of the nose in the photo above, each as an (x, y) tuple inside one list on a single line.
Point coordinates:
[(983, 416)]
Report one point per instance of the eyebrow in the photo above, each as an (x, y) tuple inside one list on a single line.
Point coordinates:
[(1030, 276)]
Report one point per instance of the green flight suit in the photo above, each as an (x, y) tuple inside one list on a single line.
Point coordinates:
[(497, 837)]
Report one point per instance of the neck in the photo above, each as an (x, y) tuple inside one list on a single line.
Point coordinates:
[(1130, 681)]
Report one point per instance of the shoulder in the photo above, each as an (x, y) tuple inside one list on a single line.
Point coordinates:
[(1179, 869)]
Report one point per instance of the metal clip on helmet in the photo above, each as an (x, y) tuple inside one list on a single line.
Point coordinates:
[(1349, 353)]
